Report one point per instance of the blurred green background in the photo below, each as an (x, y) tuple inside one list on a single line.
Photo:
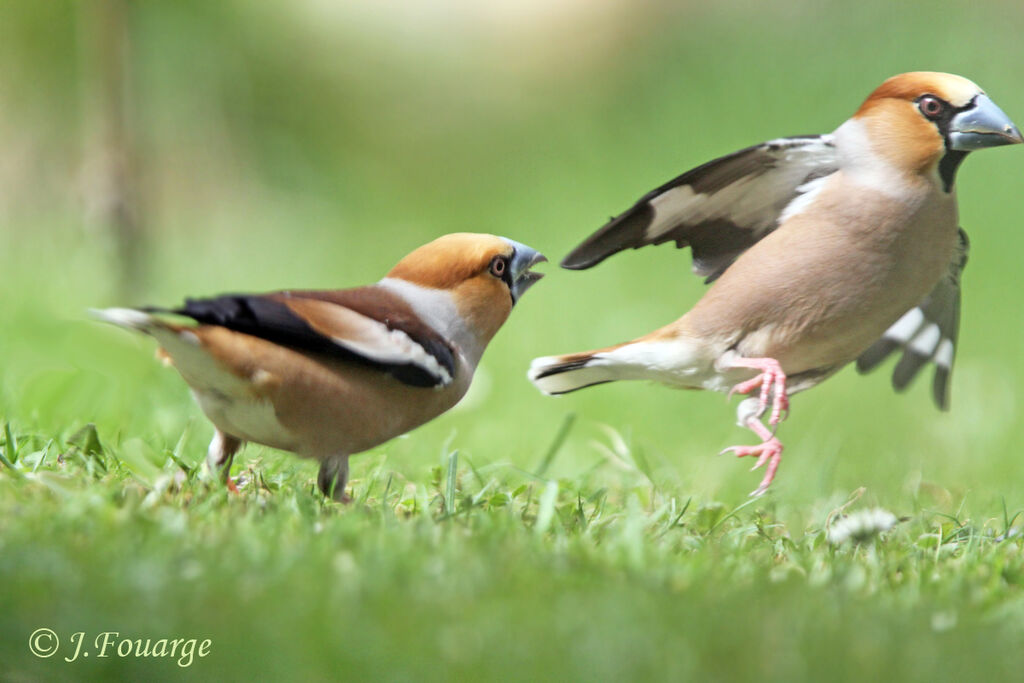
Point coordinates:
[(313, 144), (250, 146)]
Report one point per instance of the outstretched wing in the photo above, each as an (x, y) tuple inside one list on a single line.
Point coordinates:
[(718, 209), (925, 333), (319, 322)]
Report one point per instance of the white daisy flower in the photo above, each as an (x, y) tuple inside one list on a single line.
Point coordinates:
[(860, 526)]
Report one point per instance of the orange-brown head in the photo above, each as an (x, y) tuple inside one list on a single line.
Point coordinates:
[(485, 275), (922, 119)]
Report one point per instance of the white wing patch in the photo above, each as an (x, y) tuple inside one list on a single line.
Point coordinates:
[(371, 339), (438, 309), (718, 209), (921, 337), (753, 201), (738, 203), (904, 329), (376, 342), (807, 193), (926, 334), (944, 354), (926, 342)]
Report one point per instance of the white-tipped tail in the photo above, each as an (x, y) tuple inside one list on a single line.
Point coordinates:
[(677, 362), (125, 317), (562, 374)]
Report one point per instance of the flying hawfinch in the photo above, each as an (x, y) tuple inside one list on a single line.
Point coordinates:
[(822, 250), (326, 374)]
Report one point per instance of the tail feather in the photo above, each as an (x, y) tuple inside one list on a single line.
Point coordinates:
[(129, 318), (554, 375), (677, 361), (561, 374), (170, 335), (180, 345)]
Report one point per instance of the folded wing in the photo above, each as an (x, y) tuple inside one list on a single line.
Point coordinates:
[(718, 209), (925, 334), (384, 337)]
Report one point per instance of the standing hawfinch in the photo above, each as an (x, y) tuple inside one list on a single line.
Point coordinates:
[(822, 250), (326, 374)]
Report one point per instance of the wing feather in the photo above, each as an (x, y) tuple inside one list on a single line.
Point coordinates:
[(718, 209), (308, 321), (925, 334)]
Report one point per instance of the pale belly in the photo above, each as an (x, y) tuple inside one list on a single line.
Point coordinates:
[(257, 391), (344, 412), (816, 294), (246, 418)]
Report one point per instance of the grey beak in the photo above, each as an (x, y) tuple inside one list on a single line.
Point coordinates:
[(983, 125), (523, 259)]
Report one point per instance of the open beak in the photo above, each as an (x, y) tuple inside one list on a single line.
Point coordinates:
[(523, 259), (983, 125)]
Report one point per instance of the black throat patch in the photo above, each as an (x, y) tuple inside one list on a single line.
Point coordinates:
[(947, 167)]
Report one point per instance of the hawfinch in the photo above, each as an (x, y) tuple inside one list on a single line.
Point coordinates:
[(821, 250), (326, 374)]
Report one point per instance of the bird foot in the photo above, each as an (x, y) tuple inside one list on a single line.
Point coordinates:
[(230, 483), (770, 452), (771, 376)]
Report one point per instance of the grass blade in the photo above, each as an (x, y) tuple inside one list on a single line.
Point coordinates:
[(546, 508), (556, 445), (7, 447), (10, 445), (449, 489)]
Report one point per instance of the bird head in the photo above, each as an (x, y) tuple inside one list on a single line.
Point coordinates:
[(925, 121), (484, 274)]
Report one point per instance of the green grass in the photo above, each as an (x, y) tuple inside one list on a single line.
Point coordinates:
[(483, 570), (518, 537)]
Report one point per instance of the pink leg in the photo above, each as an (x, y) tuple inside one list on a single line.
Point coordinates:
[(769, 451), (219, 456), (771, 375)]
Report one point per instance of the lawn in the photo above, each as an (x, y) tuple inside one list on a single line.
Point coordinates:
[(596, 536)]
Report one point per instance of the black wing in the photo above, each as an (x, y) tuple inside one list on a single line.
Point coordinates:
[(925, 333), (718, 209)]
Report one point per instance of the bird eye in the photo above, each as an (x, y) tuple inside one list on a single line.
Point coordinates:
[(499, 264), (931, 106)]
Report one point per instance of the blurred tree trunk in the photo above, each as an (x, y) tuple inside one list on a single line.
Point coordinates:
[(112, 186)]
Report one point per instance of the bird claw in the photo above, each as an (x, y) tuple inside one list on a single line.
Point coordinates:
[(771, 377), (768, 453), (780, 406)]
